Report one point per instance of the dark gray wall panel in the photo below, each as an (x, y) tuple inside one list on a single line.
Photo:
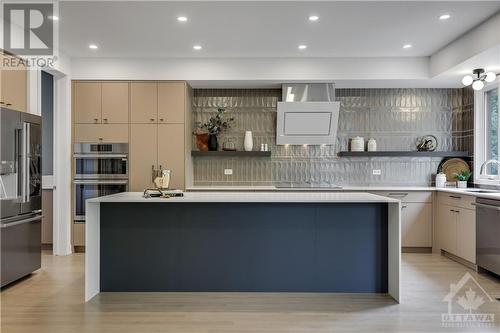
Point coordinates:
[(244, 247)]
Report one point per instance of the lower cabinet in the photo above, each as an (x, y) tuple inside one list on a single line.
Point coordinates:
[(78, 234), (416, 218), (416, 224), (456, 229)]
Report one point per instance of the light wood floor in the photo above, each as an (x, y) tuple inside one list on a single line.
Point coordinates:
[(51, 300)]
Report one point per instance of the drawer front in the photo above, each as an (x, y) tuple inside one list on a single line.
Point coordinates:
[(406, 196), (111, 133), (456, 200)]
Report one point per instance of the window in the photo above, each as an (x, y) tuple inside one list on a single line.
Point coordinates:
[(491, 109), (487, 135)]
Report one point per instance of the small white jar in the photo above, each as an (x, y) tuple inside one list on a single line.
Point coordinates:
[(372, 145), (358, 144), (441, 180)]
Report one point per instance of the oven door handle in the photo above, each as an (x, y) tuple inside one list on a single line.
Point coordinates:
[(486, 206), (100, 182), (100, 156)]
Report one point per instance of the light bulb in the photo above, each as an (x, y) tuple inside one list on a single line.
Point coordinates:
[(490, 77), (467, 80), (478, 85)]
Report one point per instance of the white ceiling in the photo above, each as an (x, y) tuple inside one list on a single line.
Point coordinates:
[(139, 29)]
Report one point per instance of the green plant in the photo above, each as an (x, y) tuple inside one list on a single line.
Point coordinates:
[(463, 175), (217, 124)]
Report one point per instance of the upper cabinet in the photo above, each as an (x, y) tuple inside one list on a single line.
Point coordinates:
[(13, 86), (144, 102), (171, 102), (115, 102), (87, 99), (101, 103)]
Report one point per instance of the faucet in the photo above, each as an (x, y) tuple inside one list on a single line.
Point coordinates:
[(483, 167)]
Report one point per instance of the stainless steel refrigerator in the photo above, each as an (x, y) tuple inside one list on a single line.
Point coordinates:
[(20, 194)]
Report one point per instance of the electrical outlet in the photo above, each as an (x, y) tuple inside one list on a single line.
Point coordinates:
[(376, 172), (228, 172)]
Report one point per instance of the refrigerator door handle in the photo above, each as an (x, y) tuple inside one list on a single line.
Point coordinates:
[(31, 219), (25, 177)]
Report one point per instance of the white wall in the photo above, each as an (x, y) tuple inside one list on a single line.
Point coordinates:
[(252, 69)]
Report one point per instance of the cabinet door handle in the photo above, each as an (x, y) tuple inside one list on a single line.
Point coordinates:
[(152, 119), (8, 104), (161, 119), (404, 206), (100, 139), (455, 197), (2, 102), (398, 194), (105, 120), (95, 120)]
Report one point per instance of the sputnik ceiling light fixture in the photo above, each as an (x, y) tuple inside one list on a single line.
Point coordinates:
[(479, 80)]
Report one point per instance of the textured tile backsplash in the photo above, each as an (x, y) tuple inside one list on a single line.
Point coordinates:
[(394, 117)]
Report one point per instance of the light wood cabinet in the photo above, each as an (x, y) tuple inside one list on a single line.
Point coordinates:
[(416, 224), (48, 216), (115, 103), (171, 102), (171, 152), (109, 133), (466, 234), (143, 102), (101, 102), (78, 234), (457, 226), (13, 85), (143, 155), (87, 102)]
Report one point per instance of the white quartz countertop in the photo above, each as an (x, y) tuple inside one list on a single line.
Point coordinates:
[(476, 192), (265, 197), (310, 189)]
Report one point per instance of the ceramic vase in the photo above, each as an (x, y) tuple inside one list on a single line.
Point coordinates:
[(213, 144), (202, 141), (248, 142), (461, 184)]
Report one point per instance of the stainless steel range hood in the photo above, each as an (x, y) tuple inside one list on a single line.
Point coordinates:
[(308, 115)]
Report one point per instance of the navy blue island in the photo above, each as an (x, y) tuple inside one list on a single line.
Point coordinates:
[(243, 242)]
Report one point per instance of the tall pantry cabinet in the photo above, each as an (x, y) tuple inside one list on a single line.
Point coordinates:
[(154, 117)]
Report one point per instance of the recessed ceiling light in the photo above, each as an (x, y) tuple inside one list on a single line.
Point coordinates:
[(197, 47), (182, 18), (313, 18), (302, 47), (407, 46), (53, 18), (93, 47), (444, 17)]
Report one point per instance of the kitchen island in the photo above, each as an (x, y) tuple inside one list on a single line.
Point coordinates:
[(243, 242)]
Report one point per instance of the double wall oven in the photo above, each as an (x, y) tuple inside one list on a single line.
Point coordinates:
[(99, 169)]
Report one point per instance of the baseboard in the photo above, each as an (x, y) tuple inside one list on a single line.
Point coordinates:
[(79, 249), (459, 260), (414, 249)]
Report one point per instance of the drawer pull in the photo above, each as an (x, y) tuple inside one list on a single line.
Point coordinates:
[(455, 197), (404, 206), (398, 194), (8, 104)]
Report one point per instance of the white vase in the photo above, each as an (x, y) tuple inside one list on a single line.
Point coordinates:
[(461, 184), (248, 143)]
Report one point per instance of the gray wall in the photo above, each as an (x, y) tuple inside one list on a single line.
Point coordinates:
[(394, 117)]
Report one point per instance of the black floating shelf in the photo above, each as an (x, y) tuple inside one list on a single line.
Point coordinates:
[(402, 154), (238, 153)]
